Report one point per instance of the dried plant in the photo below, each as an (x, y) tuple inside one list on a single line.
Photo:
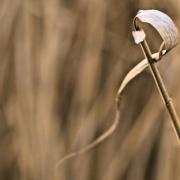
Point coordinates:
[(61, 64), (169, 33)]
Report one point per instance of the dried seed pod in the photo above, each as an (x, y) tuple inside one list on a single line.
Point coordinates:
[(163, 25)]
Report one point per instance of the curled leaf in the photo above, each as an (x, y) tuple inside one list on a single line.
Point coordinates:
[(162, 23), (130, 76), (140, 67)]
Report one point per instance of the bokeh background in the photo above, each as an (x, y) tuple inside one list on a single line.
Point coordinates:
[(61, 63)]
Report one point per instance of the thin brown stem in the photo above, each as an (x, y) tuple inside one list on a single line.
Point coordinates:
[(162, 88)]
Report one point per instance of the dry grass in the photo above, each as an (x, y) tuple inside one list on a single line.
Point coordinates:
[(61, 64)]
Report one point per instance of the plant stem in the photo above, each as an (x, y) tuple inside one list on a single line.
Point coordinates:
[(162, 88)]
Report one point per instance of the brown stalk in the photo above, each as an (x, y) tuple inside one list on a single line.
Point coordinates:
[(162, 88), (149, 60)]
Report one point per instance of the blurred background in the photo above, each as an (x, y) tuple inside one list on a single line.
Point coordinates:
[(61, 63)]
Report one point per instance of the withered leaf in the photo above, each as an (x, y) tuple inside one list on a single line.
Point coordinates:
[(139, 68), (162, 23)]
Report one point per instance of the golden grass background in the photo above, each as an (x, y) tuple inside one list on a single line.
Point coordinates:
[(61, 63)]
